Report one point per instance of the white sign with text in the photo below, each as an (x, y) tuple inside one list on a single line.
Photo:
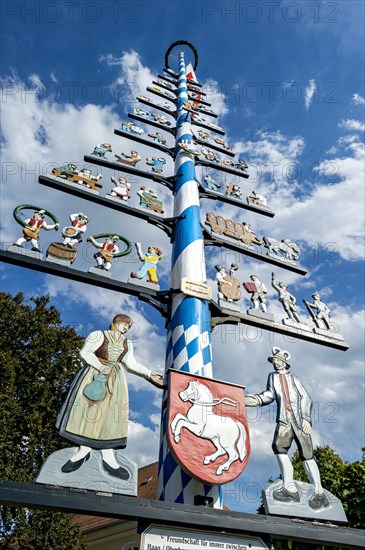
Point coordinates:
[(167, 538), (194, 288)]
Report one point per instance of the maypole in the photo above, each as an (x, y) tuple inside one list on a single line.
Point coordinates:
[(205, 439), (188, 337)]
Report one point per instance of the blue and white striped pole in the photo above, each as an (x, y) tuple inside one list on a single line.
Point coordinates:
[(188, 337)]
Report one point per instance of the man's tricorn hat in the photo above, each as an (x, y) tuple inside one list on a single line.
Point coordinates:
[(282, 354)]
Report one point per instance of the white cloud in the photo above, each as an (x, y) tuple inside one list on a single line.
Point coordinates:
[(35, 80), (288, 84), (143, 444), (309, 93), (273, 160), (273, 146), (301, 218), (247, 112), (332, 150), (346, 140), (358, 99), (306, 217), (155, 419), (352, 124), (216, 97), (132, 80)]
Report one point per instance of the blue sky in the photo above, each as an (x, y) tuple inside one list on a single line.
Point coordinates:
[(287, 80)]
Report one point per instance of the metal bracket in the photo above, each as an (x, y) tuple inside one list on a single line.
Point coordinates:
[(212, 146), (201, 162), (36, 495), (220, 317), (171, 180), (158, 107), (167, 225), (168, 150), (152, 123), (210, 194), (221, 132), (158, 300), (241, 248), (161, 94), (174, 221), (120, 167)]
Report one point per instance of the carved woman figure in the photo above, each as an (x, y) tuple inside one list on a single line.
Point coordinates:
[(95, 412)]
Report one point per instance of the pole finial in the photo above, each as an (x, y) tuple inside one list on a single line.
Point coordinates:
[(181, 43)]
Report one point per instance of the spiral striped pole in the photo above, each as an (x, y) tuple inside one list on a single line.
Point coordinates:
[(188, 337)]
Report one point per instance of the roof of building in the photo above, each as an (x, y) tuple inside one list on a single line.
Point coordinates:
[(147, 486)]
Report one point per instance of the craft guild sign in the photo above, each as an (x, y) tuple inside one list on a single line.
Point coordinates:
[(207, 427), (194, 288)]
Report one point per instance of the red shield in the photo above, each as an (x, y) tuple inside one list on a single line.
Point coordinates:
[(207, 427)]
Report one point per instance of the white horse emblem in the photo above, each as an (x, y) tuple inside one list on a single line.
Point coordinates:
[(226, 434)]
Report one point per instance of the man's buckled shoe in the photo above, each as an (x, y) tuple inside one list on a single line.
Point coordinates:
[(317, 501), (283, 495)]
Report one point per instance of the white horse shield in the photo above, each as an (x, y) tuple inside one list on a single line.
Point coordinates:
[(207, 427)]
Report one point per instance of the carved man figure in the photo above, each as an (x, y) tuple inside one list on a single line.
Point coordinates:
[(157, 164), (322, 317), (101, 149), (258, 298), (158, 138), (293, 424), (121, 189), (228, 284), (149, 263), (288, 300), (220, 278), (258, 199), (242, 165), (32, 229), (211, 184), (108, 249), (73, 234)]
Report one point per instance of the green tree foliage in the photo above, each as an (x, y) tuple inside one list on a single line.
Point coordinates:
[(39, 356), (345, 480)]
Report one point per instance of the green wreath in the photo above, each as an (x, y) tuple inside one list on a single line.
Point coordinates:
[(181, 43), (18, 209), (123, 239)]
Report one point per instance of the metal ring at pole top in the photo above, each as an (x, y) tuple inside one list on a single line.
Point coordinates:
[(181, 43), (121, 238)]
